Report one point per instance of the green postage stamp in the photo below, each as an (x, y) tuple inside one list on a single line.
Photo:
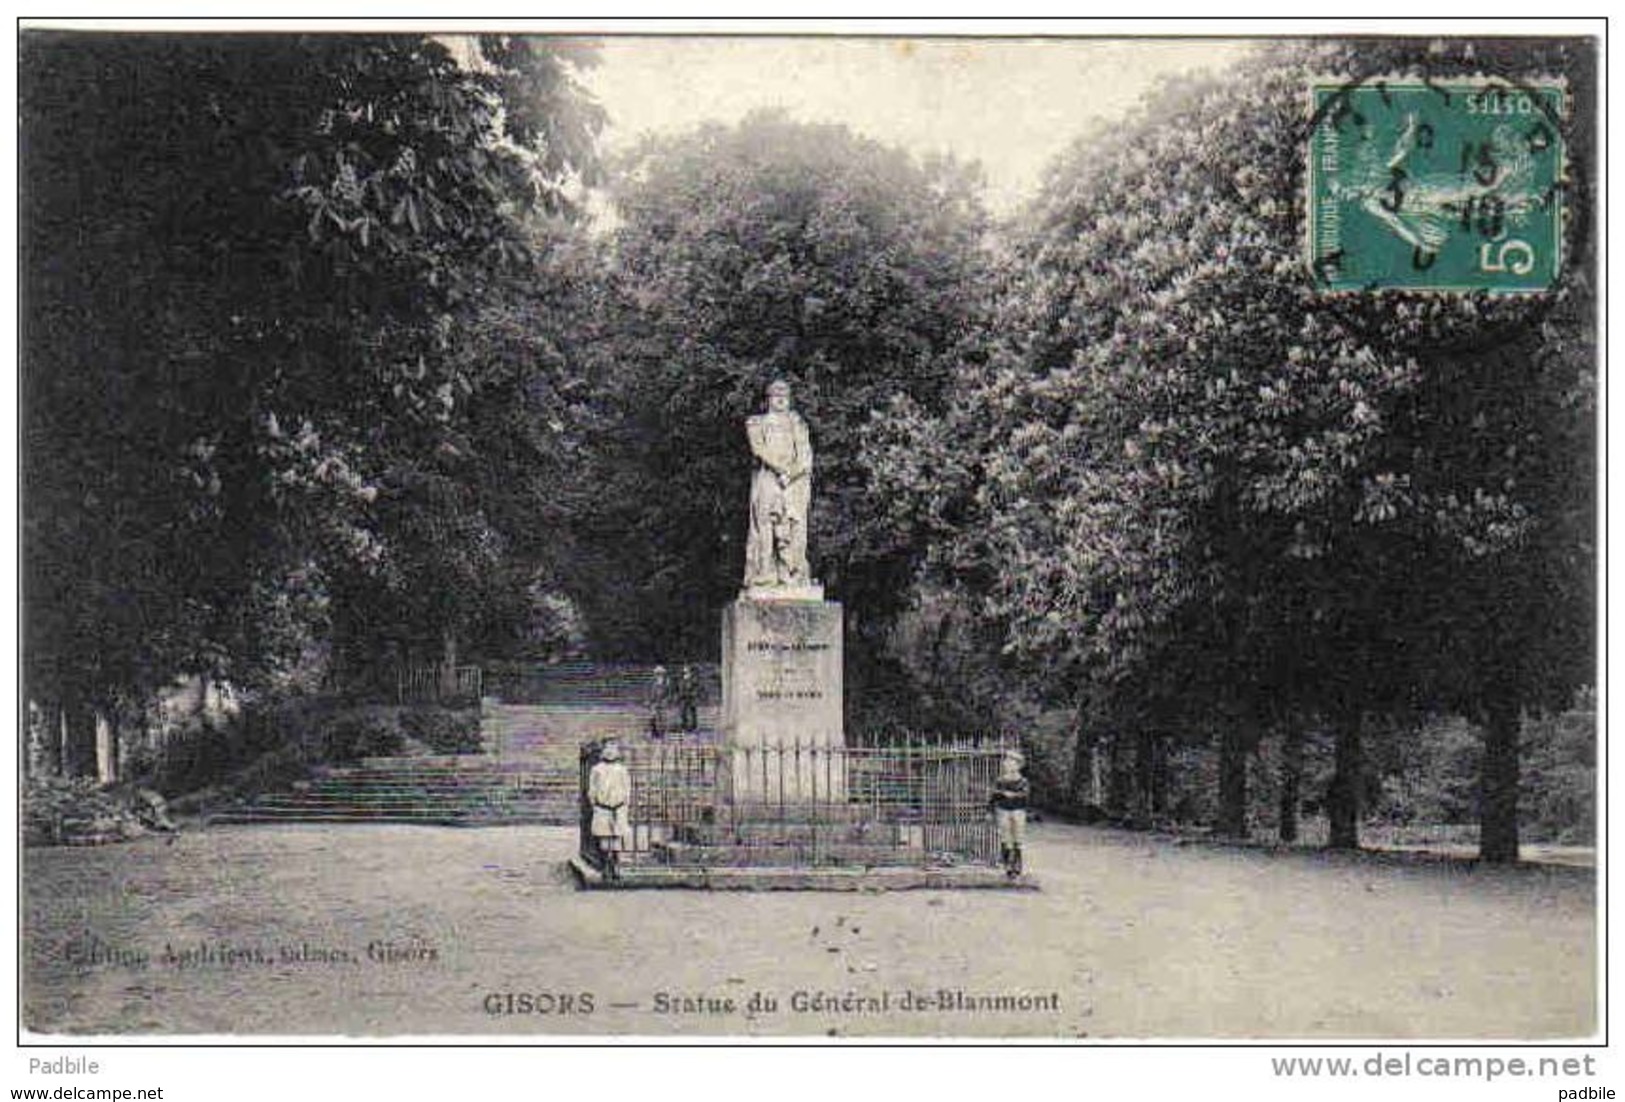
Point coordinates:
[(1450, 185)]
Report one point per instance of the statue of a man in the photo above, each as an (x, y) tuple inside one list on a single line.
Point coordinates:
[(780, 493)]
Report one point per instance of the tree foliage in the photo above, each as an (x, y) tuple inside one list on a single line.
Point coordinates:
[(746, 253), (1202, 492), (315, 347), (253, 268)]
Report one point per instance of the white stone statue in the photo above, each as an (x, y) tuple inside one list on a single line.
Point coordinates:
[(780, 495)]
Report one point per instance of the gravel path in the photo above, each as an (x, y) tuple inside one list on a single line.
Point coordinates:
[(266, 930)]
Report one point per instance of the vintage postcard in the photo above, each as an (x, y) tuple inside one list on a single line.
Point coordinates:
[(854, 536)]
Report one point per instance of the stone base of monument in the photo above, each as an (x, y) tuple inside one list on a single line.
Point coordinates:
[(784, 803), (831, 848), (776, 878), (781, 690)]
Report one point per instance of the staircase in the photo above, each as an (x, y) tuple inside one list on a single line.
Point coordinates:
[(471, 790), (529, 771)]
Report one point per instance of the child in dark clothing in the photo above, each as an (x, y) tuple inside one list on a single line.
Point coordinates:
[(1009, 804)]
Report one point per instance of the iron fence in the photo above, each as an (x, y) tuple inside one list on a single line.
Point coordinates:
[(800, 805), (417, 684)]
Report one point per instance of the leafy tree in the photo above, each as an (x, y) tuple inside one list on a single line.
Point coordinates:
[(745, 253), (251, 264), (1193, 490)]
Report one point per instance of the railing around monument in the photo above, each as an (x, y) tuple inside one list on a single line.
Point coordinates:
[(918, 803)]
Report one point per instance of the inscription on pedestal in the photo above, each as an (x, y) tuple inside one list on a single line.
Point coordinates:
[(781, 673), (781, 698)]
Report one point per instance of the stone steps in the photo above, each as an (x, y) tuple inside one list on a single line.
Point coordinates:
[(558, 802), (473, 789), (530, 768), (256, 815), (527, 731), (487, 770), (589, 685)]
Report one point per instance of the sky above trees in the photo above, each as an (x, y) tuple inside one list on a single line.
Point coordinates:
[(1011, 105)]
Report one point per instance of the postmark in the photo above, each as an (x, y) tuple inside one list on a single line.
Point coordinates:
[(1424, 184)]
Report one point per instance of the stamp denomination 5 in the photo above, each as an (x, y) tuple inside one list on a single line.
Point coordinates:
[(1436, 185)]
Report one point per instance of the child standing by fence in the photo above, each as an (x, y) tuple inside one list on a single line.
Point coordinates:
[(609, 787), (1009, 804)]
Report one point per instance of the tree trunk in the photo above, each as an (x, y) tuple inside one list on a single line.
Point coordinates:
[(36, 740), (1498, 804), (1343, 800), (78, 741), (1081, 781), (1117, 779), (1291, 784), (1232, 782), (1159, 775), (1144, 765), (106, 735)]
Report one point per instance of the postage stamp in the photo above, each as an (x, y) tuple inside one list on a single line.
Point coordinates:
[(1436, 185)]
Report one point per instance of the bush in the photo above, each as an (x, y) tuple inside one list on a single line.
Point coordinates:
[(78, 811), (349, 738), (1048, 744), (271, 772), (444, 731), (192, 759), (205, 755), (1558, 797)]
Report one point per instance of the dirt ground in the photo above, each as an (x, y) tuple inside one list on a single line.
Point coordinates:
[(387, 930)]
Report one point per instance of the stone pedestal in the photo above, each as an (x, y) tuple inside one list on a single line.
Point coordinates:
[(781, 690)]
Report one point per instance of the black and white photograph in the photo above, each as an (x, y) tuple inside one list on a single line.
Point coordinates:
[(824, 536)]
